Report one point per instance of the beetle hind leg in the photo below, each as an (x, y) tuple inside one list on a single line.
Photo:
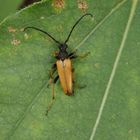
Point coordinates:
[(53, 95)]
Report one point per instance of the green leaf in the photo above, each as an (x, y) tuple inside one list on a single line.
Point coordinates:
[(107, 108)]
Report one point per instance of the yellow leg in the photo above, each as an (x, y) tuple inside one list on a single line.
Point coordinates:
[(53, 95), (53, 70), (52, 100)]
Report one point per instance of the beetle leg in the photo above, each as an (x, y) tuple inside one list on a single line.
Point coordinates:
[(71, 54), (73, 70), (53, 94), (53, 70), (54, 82), (73, 81), (80, 86), (80, 56), (84, 55), (73, 57), (56, 79)]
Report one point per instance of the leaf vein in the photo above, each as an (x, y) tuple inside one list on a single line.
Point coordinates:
[(19, 121), (100, 23), (130, 18)]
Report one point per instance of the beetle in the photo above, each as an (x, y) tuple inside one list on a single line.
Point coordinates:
[(63, 64)]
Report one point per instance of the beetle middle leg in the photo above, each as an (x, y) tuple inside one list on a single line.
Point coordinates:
[(53, 94), (53, 70)]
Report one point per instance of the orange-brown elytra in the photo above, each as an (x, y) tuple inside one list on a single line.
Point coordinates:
[(63, 65)]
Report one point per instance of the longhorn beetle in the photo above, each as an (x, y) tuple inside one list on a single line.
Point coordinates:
[(63, 64)]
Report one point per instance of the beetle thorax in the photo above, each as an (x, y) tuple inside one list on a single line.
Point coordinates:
[(63, 54)]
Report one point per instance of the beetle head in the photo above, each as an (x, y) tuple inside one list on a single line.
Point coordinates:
[(63, 47)]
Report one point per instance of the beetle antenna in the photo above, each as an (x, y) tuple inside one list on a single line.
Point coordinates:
[(44, 33), (87, 14)]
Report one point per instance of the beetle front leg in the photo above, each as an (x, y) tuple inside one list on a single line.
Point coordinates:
[(79, 56), (72, 53), (84, 55)]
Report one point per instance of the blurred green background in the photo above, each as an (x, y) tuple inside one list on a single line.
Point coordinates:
[(8, 7)]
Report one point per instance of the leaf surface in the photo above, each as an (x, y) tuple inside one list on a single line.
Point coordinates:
[(105, 108)]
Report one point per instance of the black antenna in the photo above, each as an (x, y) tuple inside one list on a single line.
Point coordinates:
[(87, 14), (44, 33)]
